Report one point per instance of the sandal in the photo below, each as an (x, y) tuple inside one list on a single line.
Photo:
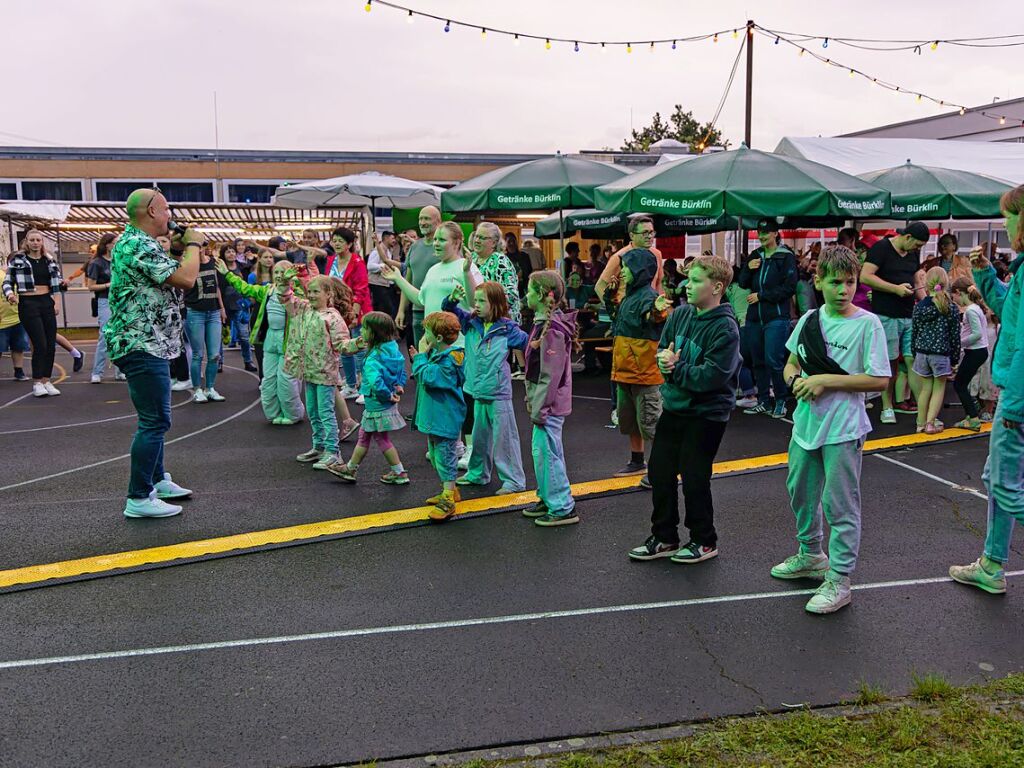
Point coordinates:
[(973, 425)]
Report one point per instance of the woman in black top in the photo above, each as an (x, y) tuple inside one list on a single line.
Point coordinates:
[(97, 280), (203, 326), (32, 278)]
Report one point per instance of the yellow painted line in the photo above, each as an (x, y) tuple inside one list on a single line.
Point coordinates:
[(313, 531), (63, 373)]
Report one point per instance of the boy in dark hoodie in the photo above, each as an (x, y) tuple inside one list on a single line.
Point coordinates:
[(699, 356), (636, 331)]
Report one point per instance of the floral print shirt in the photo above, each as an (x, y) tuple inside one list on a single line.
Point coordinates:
[(144, 312), (315, 339), (499, 269)]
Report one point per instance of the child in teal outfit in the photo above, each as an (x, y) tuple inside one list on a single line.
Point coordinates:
[(1004, 469), (383, 383), (489, 335), (440, 407)]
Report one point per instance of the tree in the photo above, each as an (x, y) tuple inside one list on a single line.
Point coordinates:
[(681, 126)]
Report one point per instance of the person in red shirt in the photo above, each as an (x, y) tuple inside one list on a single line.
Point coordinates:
[(350, 268)]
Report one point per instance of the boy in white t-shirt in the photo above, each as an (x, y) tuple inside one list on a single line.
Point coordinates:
[(832, 364)]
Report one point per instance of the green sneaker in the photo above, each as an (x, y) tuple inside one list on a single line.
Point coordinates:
[(802, 565), (975, 575), (832, 595)]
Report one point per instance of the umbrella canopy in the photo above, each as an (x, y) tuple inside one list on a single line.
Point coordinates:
[(602, 224), (549, 183), (924, 192), (358, 190), (744, 182)]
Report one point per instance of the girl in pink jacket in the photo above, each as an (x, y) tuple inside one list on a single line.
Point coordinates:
[(318, 331)]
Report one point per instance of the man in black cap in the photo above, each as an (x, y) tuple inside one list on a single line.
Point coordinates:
[(770, 274), (889, 273)]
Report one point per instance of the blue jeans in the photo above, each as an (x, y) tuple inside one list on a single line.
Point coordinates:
[(549, 466), (240, 333), (1004, 480), (203, 330), (353, 364), (322, 418), (767, 345), (149, 386), (99, 363)]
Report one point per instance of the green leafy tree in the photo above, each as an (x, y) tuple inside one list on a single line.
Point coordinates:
[(682, 126)]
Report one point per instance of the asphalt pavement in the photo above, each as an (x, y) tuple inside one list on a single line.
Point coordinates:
[(428, 639)]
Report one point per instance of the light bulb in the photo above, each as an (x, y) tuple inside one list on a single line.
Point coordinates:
[(1002, 121), (408, 19), (919, 97), (851, 73), (629, 47), (369, 6), (825, 44), (802, 52), (576, 47), (603, 49), (963, 111), (673, 45), (651, 49), (935, 45), (735, 34), (547, 45), (776, 41), (515, 40), (447, 26), (715, 38), (483, 33)]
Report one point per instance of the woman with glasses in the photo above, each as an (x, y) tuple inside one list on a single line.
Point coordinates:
[(489, 257)]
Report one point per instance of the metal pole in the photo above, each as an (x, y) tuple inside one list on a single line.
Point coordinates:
[(748, 118), (60, 263), (561, 242)]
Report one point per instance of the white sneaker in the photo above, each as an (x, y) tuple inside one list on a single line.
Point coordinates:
[(746, 402), (349, 393), (361, 400), (832, 595), (888, 416), (95, 379), (615, 417), (38, 390), (181, 386), (51, 390), (463, 463), (326, 460), (199, 396), (118, 376), (215, 396), (150, 507), (168, 489)]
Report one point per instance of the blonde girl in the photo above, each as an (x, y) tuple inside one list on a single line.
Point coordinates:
[(935, 343), (317, 334), (549, 396), (974, 342)]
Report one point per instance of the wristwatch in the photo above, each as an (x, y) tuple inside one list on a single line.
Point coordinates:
[(792, 379)]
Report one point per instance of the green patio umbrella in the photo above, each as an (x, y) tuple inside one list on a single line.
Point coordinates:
[(923, 192), (593, 223), (744, 182), (547, 184)]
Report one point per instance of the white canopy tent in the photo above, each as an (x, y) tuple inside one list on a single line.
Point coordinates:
[(856, 156)]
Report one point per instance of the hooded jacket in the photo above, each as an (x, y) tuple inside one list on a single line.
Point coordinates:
[(261, 293), (316, 339), (704, 381), (549, 367), (440, 406), (487, 372), (774, 282), (383, 373), (934, 333), (637, 326), (1008, 356)]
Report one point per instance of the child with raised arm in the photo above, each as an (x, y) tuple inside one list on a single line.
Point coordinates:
[(314, 355), (549, 396), (935, 342), (489, 335), (699, 356), (382, 386), (441, 409), (837, 354)]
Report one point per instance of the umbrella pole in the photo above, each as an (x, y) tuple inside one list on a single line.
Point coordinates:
[(561, 242)]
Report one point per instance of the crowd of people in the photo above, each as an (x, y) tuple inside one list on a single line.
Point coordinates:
[(687, 345)]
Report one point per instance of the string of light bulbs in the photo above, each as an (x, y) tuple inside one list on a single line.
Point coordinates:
[(854, 72)]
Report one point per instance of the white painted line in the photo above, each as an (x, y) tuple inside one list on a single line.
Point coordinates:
[(936, 478), (456, 624), (84, 423), (15, 400), (207, 428), (588, 397)]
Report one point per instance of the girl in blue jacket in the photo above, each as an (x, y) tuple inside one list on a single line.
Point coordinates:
[(383, 383), (490, 334)]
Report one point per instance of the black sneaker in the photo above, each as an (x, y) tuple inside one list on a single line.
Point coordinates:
[(645, 482), (757, 410), (692, 552), (537, 510), (633, 468), (19, 375), (652, 549), (251, 368), (79, 362)]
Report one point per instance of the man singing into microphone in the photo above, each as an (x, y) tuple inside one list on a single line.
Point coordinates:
[(144, 334)]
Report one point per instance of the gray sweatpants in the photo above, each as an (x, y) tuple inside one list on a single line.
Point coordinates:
[(496, 442), (827, 479)]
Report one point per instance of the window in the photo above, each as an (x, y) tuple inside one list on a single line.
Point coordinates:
[(8, 191), (250, 193), (117, 191), (186, 192), (51, 190)]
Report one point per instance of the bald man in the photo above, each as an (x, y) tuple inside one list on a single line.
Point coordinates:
[(144, 334)]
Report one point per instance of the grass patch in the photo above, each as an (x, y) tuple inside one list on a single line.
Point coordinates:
[(869, 694), (957, 727)]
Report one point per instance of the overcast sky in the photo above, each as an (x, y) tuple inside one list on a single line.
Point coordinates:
[(324, 74)]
